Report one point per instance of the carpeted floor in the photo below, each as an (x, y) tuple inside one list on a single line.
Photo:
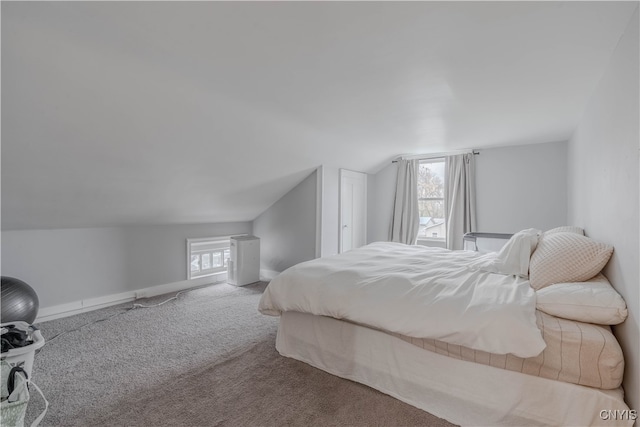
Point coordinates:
[(205, 359)]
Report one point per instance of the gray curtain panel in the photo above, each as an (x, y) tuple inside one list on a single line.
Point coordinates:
[(406, 219), (459, 198)]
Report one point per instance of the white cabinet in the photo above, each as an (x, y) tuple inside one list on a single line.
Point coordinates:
[(244, 262)]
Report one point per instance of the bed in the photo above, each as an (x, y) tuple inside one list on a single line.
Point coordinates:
[(476, 339)]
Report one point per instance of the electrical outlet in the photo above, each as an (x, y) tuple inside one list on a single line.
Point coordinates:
[(140, 294)]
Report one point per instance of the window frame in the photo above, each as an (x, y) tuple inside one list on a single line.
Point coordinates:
[(209, 245), (436, 240)]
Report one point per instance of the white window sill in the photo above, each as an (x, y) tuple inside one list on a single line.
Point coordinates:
[(208, 275)]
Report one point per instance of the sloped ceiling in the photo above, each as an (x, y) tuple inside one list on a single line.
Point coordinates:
[(171, 112)]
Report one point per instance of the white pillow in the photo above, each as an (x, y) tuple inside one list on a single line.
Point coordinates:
[(594, 301), (563, 257), (513, 258), (566, 229)]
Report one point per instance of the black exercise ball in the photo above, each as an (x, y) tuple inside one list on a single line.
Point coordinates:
[(19, 301)]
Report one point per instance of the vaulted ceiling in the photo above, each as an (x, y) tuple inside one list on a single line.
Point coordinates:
[(183, 112)]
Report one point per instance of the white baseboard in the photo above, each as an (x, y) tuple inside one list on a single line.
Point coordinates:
[(268, 275), (179, 286), (90, 304)]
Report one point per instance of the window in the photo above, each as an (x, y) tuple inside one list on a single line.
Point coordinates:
[(431, 182), (207, 257)]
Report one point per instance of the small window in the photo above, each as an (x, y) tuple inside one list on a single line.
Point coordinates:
[(431, 182), (207, 256)]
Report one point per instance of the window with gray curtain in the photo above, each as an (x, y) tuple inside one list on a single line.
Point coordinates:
[(405, 219), (459, 198)]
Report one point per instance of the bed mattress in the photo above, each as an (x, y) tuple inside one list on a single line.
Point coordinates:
[(576, 352), (462, 392)]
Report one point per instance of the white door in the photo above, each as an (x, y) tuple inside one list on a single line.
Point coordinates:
[(353, 210)]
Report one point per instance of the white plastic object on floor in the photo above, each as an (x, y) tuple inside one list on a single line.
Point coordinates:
[(23, 356), (243, 267)]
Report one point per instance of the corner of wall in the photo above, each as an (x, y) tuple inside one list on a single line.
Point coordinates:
[(603, 161), (288, 228)]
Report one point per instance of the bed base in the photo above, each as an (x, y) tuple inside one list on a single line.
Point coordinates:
[(461, 392)]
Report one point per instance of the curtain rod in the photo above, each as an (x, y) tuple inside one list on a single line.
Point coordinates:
[(435, 156)]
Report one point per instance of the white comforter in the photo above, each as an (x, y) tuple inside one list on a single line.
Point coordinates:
[(415, 291)]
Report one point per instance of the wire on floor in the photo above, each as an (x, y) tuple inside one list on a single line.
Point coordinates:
[(87, 324), (163, 302), (135, 305)]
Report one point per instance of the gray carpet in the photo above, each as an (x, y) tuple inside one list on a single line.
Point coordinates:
[(205, 359)]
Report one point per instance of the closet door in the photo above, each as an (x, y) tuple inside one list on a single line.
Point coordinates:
[(353, 209)]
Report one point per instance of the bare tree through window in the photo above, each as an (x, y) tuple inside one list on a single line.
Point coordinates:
[(431, 181)]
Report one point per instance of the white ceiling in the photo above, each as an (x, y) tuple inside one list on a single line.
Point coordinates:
[(170, 112)]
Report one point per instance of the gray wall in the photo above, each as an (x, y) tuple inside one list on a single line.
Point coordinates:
[(521, 187), (381, 189), (517, 187), (67, 265), (604, 188), (330, 211), (158, 253), (287, 230)]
